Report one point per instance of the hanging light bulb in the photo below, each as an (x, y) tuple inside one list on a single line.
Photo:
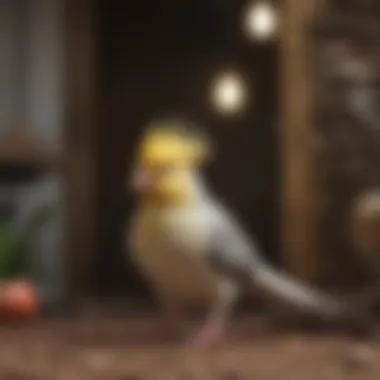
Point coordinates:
[(229, 93), (260, 20)]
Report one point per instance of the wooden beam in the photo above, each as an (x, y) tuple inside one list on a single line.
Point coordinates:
[(299, 198), (81, 144)]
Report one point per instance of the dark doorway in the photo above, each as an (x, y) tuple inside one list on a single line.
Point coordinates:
[(156, 57)]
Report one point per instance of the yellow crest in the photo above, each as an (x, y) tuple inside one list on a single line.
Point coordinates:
[(164, 143)]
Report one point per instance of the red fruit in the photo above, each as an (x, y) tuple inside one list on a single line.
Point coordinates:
[(2, 287), (20, 300)]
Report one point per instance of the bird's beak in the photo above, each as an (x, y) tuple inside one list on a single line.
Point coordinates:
[(142, 179)]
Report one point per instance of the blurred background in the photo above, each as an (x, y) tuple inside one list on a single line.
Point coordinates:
[(289, 92)]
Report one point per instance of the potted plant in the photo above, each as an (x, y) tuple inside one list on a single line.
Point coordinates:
[(18, 295)]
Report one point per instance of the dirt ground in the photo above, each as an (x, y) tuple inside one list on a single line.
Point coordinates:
[(120, 350)]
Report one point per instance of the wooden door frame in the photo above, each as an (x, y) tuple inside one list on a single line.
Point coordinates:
[(81, 156), (299, 191)]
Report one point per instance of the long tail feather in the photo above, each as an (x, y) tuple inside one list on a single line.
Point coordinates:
[(287, 290)]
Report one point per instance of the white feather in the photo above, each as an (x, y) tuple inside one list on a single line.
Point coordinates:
[(168, 246)]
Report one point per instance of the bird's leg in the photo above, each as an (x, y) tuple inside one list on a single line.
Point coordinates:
[(169, 324), (213, 330)]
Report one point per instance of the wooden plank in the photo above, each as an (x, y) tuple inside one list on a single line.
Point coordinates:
[(81, 144), (299, 196)]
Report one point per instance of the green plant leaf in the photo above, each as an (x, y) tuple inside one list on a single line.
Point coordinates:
[(17, 251), (7, 243)]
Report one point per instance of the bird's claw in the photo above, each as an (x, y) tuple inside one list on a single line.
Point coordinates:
[(211, 334)]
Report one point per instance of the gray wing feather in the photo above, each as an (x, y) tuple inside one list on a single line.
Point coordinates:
[(231, 251), (234, 255)]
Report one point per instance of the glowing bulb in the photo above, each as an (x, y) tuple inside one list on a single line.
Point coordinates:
[(229, 93), (260, 21)]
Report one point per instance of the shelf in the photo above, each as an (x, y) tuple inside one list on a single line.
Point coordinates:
[(21, 150)]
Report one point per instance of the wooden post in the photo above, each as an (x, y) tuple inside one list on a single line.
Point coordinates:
[(299, 202), (81, 144)]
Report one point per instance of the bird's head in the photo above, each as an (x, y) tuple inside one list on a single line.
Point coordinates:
[(165, 156)]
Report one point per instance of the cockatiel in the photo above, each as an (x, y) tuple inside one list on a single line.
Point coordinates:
[(188, 246)]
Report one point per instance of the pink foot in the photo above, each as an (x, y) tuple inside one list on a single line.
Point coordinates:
[(211, 334)]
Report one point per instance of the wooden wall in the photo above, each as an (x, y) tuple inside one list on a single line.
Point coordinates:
[(346, 71)]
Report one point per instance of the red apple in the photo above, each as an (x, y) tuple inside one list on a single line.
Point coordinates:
[(2, 311), (19, 300)]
